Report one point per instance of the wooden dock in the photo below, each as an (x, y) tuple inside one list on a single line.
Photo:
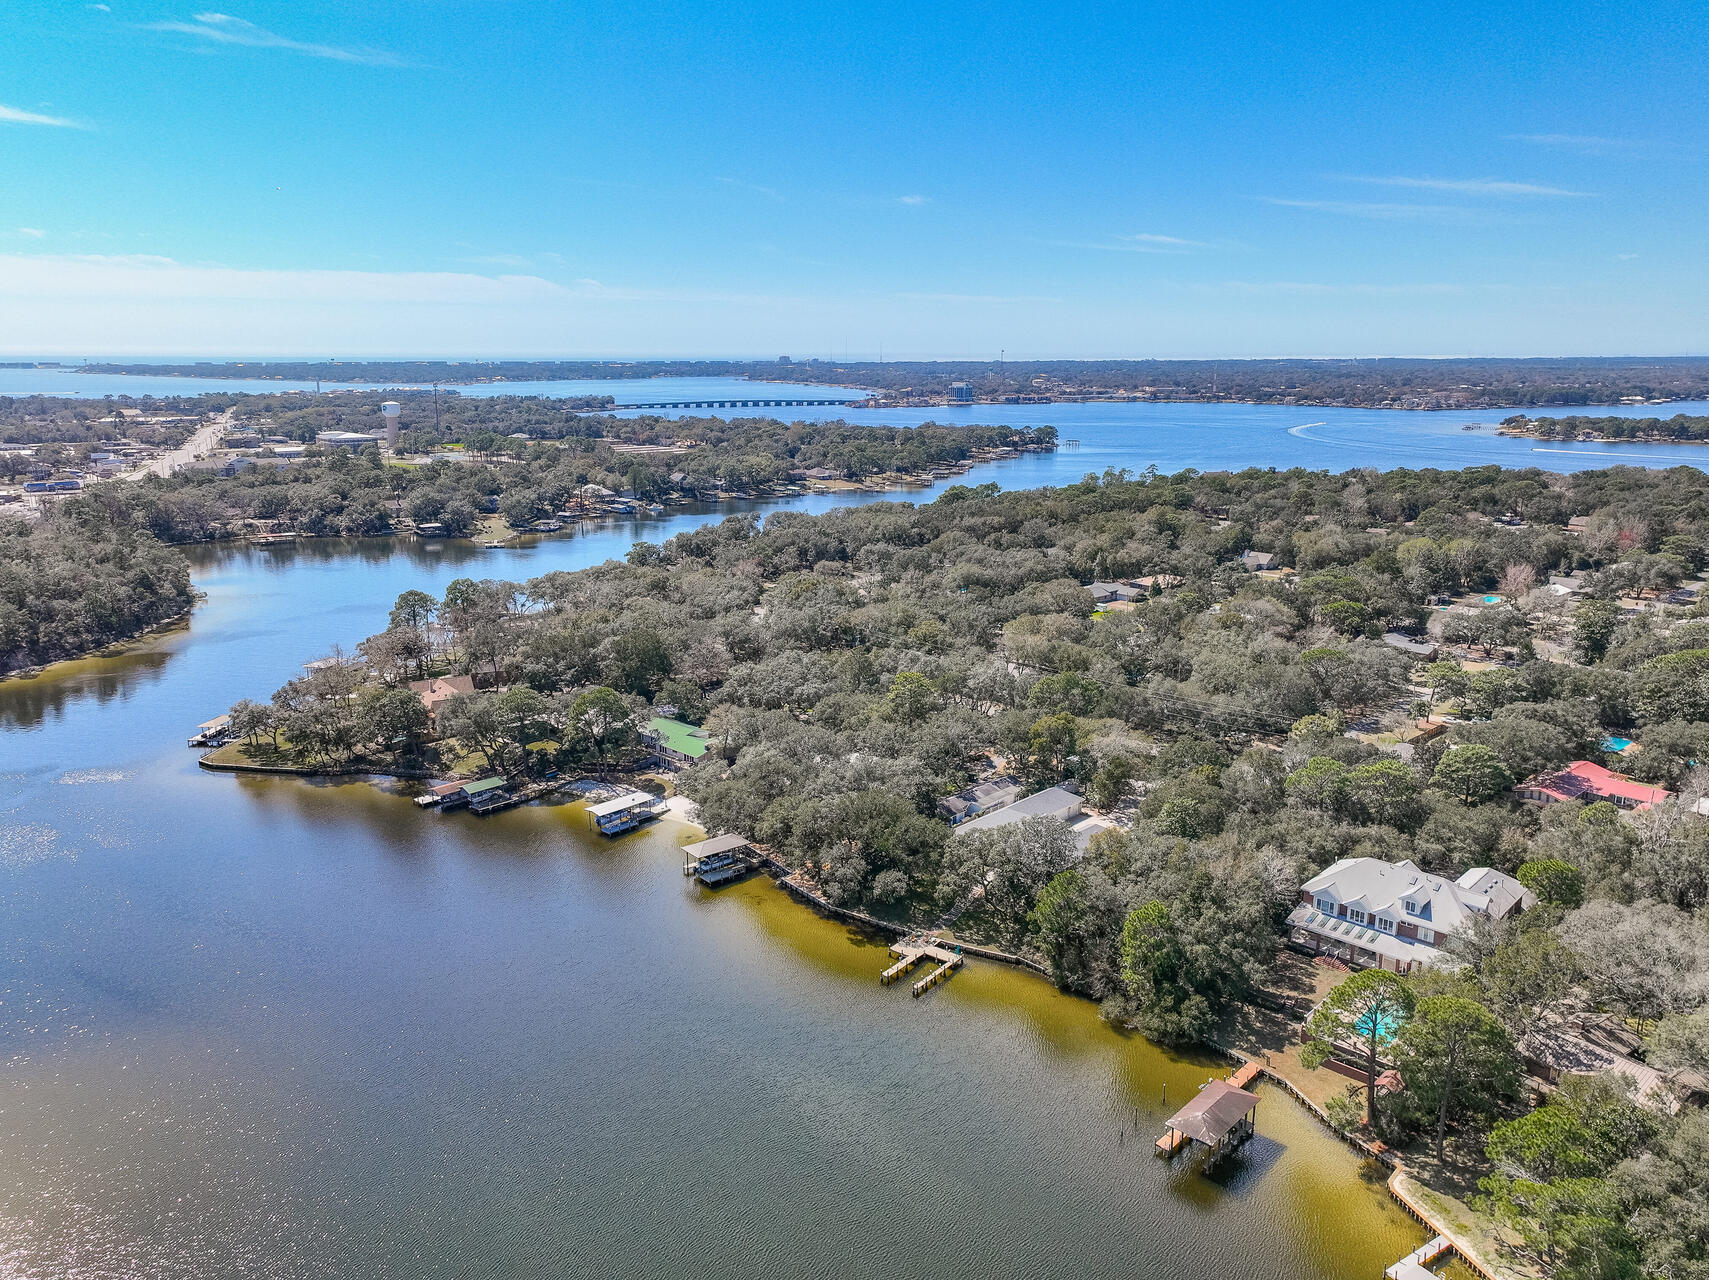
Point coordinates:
[(912, 951), (1416, 1265), (1247, 1073)]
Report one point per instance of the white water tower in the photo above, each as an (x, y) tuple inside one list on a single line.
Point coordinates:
[(391, 409)]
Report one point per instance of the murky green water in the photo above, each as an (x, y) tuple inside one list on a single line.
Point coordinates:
[(261, 1027)]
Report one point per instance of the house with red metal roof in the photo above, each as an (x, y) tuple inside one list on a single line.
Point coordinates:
[(1582, 780)]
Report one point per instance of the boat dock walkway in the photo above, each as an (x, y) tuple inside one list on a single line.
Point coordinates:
[(1416, 1265), (911, 951)]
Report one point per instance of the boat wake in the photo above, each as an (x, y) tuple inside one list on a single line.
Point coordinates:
[(1301, 430)]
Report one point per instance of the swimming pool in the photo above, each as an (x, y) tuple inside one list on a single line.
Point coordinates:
[(1386, 1024), (1616, 744), (1492, 599)]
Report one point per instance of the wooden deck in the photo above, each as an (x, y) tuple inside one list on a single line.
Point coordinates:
[(912, 951), (1247, 1073), (1416, 1265)]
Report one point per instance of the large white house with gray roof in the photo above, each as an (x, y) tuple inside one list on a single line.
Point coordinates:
[(1394, 915)]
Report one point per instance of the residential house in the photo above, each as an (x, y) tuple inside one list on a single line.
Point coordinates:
[(1256, 560), (675, 740), (1578, 524), (1414, 646), (1105, 592), (981, 798), (436, 692), (1053, 802), (1395, 915), (1582, 780), (1557, 1049)]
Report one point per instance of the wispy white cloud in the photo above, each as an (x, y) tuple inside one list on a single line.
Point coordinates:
[(222, 28), (1625, 257), (913, 200), (500, 260), (1380, 211), (14, 115), (1465, 186), (102, 8), (30, 233)]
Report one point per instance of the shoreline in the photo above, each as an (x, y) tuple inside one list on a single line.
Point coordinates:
[(1110, 397), (1400, 1185), (1512, 434), (113, 648)]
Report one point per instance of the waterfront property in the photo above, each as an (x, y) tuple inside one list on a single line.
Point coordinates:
[(1221, 1118), (627, 811), (1601, 1045), (981, 798), (436, 692), (1393, 915), (1583, 780), (676, 741), (1053, 802)]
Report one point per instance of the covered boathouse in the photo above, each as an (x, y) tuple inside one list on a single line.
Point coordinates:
[(629, 810), (1221, 1117)]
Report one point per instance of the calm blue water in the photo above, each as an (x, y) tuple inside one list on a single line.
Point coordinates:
[(69, 382), (1210, 437)]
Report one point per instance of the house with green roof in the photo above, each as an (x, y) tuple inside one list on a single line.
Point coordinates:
[(676, 741)]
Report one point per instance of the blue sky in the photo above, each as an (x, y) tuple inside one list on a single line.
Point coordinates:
[(514, 178)]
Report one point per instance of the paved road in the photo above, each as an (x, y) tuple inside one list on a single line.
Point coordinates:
[(197, 446)]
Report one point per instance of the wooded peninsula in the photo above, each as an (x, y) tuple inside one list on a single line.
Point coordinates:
[(1306, 675)]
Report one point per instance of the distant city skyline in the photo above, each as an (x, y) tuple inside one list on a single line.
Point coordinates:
[(1064, 181)]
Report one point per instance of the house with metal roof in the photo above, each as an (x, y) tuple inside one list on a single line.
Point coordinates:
[(1053, 802), (1395, 915), (981, 798), (675, 740), (1583, 780)]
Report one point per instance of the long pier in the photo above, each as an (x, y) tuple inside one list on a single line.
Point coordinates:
[(845, 402)]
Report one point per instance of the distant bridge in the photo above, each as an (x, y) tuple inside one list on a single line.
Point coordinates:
[(736, 404)]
